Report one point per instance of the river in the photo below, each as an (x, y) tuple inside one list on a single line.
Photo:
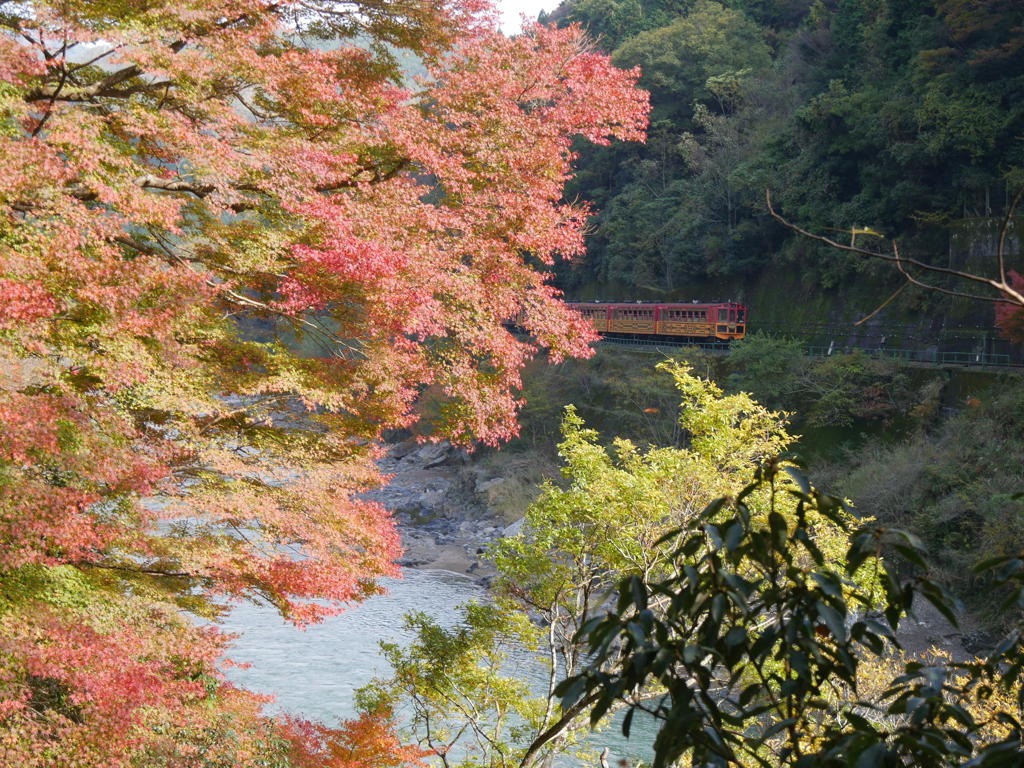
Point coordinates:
[(313, 672)]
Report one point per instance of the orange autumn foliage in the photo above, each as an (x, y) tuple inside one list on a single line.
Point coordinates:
[(368, 741), (184, 185)]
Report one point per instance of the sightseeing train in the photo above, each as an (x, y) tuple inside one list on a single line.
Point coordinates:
[(721, 321)]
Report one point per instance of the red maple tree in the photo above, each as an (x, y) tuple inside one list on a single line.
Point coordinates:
[(174, 172), (1010, 316)]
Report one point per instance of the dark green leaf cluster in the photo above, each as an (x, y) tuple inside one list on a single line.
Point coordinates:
[(755, 644)]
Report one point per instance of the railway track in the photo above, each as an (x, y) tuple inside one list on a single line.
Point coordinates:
[(928, 356)]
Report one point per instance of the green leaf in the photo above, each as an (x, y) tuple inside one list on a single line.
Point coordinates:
[(872, 757), (833, 620)]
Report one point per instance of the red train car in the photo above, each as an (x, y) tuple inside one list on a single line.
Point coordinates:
[(722, 321)]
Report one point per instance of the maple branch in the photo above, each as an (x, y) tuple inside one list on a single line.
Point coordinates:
[(96, 58), (234, 297), (140, 570), (49, 107), (102, 87), (239, 411), (201, 189)]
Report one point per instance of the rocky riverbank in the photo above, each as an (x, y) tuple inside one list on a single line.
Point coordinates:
[(439, 498), (443, 501)]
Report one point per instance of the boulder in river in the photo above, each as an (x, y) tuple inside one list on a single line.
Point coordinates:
[(433, 454), (515, 529)]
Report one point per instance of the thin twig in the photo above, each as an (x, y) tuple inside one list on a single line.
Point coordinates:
[(1001, 248), (884, 304)]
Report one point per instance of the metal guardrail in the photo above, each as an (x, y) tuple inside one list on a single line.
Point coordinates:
[(934, 357), (929, 357)]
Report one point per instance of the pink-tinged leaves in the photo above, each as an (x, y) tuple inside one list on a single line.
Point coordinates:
[(179, 217), (1009, 317)]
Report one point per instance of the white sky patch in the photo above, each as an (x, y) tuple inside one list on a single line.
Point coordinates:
[(511, 10)]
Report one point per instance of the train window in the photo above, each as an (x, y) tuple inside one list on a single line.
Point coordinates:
[(739, 315), (723, 315)]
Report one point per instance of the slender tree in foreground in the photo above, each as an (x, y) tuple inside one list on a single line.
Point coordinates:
[(174, 169)]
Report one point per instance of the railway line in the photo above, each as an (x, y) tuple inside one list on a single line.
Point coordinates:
[(713, 326), (927, 356)]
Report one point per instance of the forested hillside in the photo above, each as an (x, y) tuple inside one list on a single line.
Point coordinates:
[(905, 116)]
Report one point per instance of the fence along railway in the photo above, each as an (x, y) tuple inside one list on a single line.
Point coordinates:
[(712, 326)]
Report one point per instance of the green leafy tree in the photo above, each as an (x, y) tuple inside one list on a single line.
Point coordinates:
[(678, 60), (760, 658), (900, 116), (607, 522)]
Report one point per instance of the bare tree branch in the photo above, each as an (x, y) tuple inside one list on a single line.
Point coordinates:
[(884, 304), (1003, 229), (1008, 294)]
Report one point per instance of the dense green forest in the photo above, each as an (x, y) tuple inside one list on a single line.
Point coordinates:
[(904, 116)]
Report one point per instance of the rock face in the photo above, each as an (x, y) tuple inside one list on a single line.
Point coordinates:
[(440, 508)]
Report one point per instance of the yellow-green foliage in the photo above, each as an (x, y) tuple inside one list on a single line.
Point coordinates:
[(619, 501), (606, 521)]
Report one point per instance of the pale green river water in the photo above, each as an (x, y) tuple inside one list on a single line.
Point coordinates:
[(313, 672)]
